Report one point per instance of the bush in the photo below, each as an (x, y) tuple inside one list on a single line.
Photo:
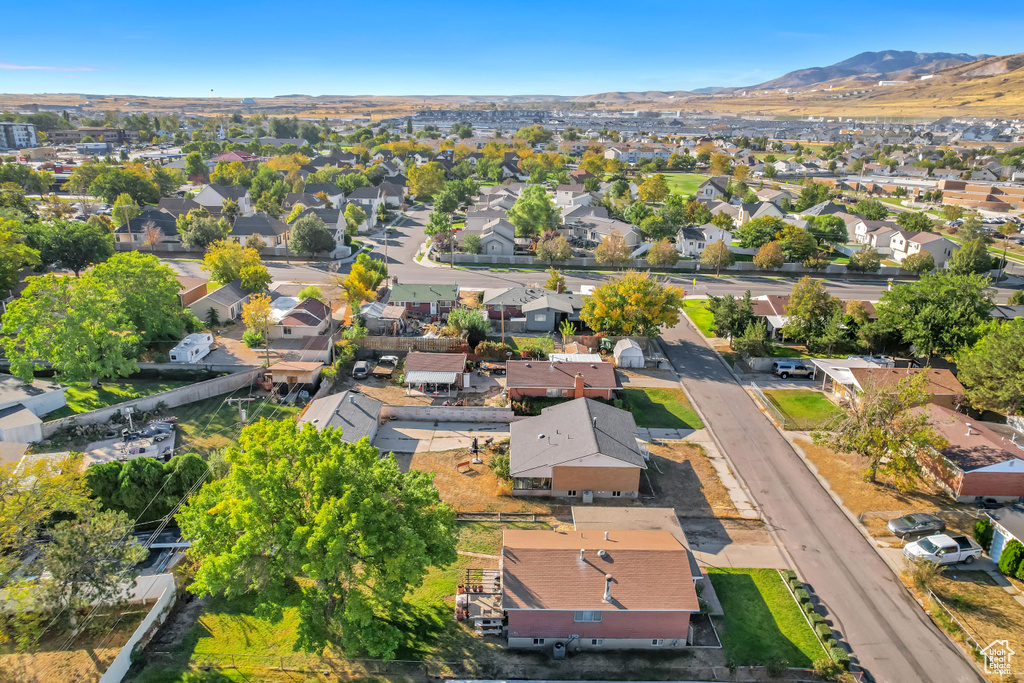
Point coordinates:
[(489, 349), (533, 352), (500, 465), (789, 575), (922, 573), (192, 323), (1011, 557), (983, 533), (252, 339), (776, 666), (841, 657), (823, 630), (1020, 572), (828, 669), (815, 617), (802, 595), (808, 608)]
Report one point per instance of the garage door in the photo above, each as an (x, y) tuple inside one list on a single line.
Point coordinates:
[(998, 541)]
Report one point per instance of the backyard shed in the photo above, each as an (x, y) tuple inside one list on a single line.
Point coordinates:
[(628, 354)]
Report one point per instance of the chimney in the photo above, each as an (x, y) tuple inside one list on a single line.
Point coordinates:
[(607, 587), (577, 386)]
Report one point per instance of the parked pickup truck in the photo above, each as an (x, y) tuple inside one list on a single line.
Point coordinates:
[(943, 549), (385, 367)]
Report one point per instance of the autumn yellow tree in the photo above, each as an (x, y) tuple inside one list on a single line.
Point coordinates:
[(769, 256), (225, 259), (741, 172), (426, 181), (719, 164), (613, 250), (654, 189), (256, 316), (717, 255), (662, 253), (633, 304)]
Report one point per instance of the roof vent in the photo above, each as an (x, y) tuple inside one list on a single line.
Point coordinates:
[(581, 553), (603, 554), (969, 425), (606, 535), (540, 437), (607, 587)]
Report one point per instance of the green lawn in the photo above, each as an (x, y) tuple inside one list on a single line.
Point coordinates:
[(762, 621), (661, 409), (697, 310), (207, 425), (684, 183), (804, 408), (547, 344), (82, 398)]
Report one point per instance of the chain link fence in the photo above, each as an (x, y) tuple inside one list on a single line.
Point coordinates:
[(784, 419)]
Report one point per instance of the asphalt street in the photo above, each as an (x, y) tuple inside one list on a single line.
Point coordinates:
[(889, 633), (404, 240)]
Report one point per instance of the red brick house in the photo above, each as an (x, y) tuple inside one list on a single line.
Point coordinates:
[(596, 589), (425, 301), (979, 461), (554, 379)]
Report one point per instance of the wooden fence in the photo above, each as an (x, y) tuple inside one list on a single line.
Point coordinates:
[(438, 344)]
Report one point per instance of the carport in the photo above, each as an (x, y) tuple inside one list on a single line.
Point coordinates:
[(431, 382)]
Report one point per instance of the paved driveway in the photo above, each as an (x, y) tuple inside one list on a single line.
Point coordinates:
[(422, 437), (889, 633)]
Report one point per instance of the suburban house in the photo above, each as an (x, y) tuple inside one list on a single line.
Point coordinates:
[(436, 374), (424, 301), (191, 289), (367, 198), (595, 228), (543, 309), (497, 237), (941, 248), (308, 318), (354, 413), (560, 380), (1007, 525), (22, 405), (303, 200), (333, 193), (226, 302), (272, 231), (875, 234), (295, 373), (943, 386), (476, 219), (978, 462), (597, 590), (691, 241), (772, 308), (712, 188), (135, 234), (178, 206), (213, 196), (578, 449)]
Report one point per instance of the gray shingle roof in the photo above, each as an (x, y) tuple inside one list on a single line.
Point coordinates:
[(259, 224), (569, 431), (356, 414), (231, 293)]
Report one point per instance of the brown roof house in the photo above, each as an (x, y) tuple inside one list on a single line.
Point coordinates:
[(945, 389), (435, 374), (579, 449), (978, 462), (308, 318), (596, 589), (556, 379)]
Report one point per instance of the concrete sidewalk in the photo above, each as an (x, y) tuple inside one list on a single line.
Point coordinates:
[(745, 556), (406, 436)]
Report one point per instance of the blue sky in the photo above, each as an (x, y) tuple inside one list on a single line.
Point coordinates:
[(262, 48)]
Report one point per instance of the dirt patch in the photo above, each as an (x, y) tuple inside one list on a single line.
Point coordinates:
[(683, 478), (83, 661), (721, 532), (474, 488)]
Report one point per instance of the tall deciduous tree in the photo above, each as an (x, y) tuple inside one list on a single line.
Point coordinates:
[(717, 255), (972, 257), (992, 371), (555, 248), (769, 256), (884, 429), (198, 229), (534, 212), (425, 181), (731, 316), (662, 253), (828, 230), (613, 250), (654, 189), (195, 167), (147, 293), (15, 254), (75, 325), (310, 236), (810, 308), (354, 217), (74, 245), (224, 260), (355, 530), (760, 231), (634, 303)]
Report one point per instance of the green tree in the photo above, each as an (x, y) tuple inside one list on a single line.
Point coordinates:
[(74, 245), (167, 180), (912, 221), (760, 231), (717, 255), (555, 248), (309, 235), (123, 210), (195, 167), (472, 244), (662, 253), (654, 189), (356, 531), (632, 304), (446, 201), (810, 308), (828, 230), (426, 181), (474, 321), (555, 281), (198, 229), (354, 217), (1016, 299), (812, 194), (15, 254), (224, 260), (938, 314), (534, 212), (972, 257), (769, 256), (992, 370), (113, 182), (75, 325), (311, 292), (884, 430), (864, 260), (731, 315), (797, 243), (921, 262), (754, 342), (871, 209), (613, 250), (147, 293), (231, 210)]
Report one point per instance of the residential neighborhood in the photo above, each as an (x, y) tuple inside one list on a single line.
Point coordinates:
[(646, 385)]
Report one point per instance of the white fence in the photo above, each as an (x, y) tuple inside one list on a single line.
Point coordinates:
[(175, 397), (159, 587)]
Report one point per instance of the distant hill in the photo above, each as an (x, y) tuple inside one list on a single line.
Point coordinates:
[(634, 96), (888, 65)]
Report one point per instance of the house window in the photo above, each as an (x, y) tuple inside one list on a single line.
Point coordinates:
[(540, 317), (554, 393), (287, 330), (590, 615), (657, 642), (616, 494), (597, 642), (538, 641), (570, 493)]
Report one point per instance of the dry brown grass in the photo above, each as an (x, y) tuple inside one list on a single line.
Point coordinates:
[(84, 661), (475, 488), (684, 479)]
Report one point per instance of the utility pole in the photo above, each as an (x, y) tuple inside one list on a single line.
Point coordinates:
[(241, 410), (503, 324)]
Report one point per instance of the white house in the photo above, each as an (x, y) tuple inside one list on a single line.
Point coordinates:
[(691, 241), (213, 196)]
